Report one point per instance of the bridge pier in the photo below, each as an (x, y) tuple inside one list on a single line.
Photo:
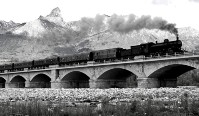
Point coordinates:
[(7, 85), (54, 74), (55, 81), (144, 82), (56, 84), (27, 84), (93, 83)]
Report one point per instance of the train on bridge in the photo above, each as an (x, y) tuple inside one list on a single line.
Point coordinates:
[(144, 49)]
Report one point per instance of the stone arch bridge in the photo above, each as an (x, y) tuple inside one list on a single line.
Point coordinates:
[(148, 73)]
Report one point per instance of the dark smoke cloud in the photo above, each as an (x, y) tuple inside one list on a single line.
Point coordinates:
[(98, 22), (125, 24), (87, 24), (118, 23)]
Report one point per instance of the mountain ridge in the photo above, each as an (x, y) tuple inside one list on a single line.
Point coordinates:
[(51, 36)]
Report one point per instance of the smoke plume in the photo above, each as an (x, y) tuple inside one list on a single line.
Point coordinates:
[(98, 22), (85, 25), (88, 24), (125, 24)]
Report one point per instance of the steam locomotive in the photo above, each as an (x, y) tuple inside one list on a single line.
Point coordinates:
[(144, 49)]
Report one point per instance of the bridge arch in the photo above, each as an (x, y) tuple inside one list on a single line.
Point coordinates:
[(2, 82), (167, 75), (40, 81), (117, 78), (39, 73), (75, 79), (17, 82)]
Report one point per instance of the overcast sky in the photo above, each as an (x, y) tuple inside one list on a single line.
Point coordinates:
[(182, 12)]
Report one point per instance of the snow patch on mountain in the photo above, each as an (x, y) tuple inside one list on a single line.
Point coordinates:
[(33, 28), (42, 25)]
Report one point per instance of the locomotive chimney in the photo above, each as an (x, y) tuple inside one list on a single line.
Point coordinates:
[(177, 36)]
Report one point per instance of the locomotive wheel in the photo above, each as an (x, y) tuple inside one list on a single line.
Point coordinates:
[(156, 54), (170, 52)]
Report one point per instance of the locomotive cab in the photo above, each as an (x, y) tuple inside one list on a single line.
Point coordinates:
[(146, 48)]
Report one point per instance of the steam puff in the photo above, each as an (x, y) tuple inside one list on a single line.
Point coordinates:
[(125, 24), (87, 24), (119, 24), (99, 22)]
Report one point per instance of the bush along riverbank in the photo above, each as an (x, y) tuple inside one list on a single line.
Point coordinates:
[(104, 102)]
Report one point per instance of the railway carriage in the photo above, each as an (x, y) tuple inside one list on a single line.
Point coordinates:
[(22, 65), (8, 67), (107, 54), (145, 49), (126, 54), (77, 58), (39, 63), (82, 57), (52, 61), (2, 68)]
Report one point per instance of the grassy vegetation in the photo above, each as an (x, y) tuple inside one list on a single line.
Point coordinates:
[(100, 102), (145, 107)]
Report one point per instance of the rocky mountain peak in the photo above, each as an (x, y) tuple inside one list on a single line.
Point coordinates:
[(4, 26), (55, 17), (56, 12), (42, 25)]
